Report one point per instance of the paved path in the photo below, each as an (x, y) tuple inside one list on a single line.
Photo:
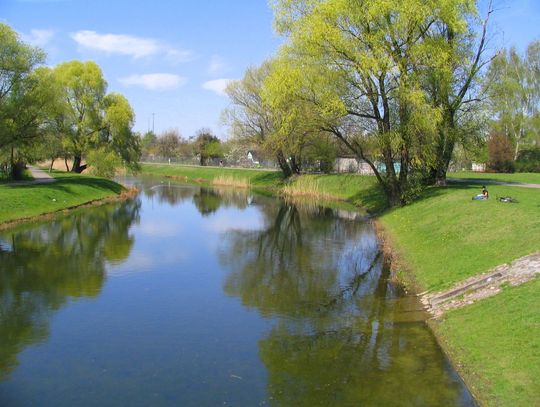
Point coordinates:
[(491, 182), (40, 177), (484, 285)]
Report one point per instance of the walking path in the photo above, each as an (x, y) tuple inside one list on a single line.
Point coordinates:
[(40, 177), (484, 285), (491, 182)]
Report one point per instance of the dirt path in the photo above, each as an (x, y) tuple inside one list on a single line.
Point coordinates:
[(490, 182), (482, 286), (40, 177)]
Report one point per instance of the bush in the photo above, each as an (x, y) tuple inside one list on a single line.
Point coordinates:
[(528, 160), (103, 163)]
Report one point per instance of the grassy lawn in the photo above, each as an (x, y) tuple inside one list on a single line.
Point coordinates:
[(257, 178), (446, 237), (495, 341), (21, 201), (524, 177)]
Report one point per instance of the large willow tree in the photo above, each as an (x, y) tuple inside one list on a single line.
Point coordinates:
[(371, 70)]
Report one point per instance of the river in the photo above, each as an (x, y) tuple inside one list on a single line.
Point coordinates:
[(187, 296)]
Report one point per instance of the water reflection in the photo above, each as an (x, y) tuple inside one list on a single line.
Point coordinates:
[(344, 332), (42, 267), (244, 300)]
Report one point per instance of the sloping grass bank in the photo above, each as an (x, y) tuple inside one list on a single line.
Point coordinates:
[(445, 237), (69, 190), (495, 345)]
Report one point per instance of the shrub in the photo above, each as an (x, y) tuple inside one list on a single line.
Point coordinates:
[(103, 163), (528, 160)]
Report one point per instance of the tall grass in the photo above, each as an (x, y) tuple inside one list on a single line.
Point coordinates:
[(306, 187), (230, 181)]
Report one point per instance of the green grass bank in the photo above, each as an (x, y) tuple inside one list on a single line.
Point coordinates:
[(70, 190), (442, 238)]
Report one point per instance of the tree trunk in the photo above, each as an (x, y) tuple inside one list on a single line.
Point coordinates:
[(295, 165), (52, 163), (65, 162), (285, 168), (77, 167)]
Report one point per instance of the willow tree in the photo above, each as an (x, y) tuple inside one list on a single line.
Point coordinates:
[(91, 118), (283, 132), (362, 65), (24, 94)]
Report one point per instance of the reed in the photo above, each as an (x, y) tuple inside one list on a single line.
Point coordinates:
[(230, 181), (306, 186)]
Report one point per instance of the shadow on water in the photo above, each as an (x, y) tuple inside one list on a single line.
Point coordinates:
[(345, 334), (42, 267)]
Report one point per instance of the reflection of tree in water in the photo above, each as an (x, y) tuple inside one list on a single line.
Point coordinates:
[(287, 268), (206, 200), (339, 340), (41, 267)]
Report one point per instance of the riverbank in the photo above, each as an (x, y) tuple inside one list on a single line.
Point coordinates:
[(439, 240), (25, 202)]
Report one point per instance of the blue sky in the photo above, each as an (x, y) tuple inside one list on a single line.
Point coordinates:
[(173, 58)]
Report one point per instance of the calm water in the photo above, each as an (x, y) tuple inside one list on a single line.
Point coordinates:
[(198, 297)]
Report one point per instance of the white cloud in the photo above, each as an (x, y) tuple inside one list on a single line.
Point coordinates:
[(38, 38), (154, 81), (135, 47), (216, 65), (217, 85), (178, 55)]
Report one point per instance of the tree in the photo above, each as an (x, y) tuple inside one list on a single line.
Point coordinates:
[(24, 95), (91, 119), (513, 84), (500, 153), (148, 142), (365, 67), (167, 143), (454, 78), (206, 145), (278, 130)]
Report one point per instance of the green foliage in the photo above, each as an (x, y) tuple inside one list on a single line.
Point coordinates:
[(513, 83), (382, 77), (103, 162), (92, 119), (207, 145), (528, 160)]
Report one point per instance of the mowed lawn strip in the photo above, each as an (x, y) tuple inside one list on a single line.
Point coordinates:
[(23, 201), (495, 342), (446, 237)]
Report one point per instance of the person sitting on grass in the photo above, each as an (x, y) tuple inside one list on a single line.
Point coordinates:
[(483, 195)]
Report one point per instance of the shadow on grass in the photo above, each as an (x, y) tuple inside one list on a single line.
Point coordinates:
[(374, 199), (63, 182)]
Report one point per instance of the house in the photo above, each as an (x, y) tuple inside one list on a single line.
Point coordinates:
[(252, 157), (478, 167), (352, 165)]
